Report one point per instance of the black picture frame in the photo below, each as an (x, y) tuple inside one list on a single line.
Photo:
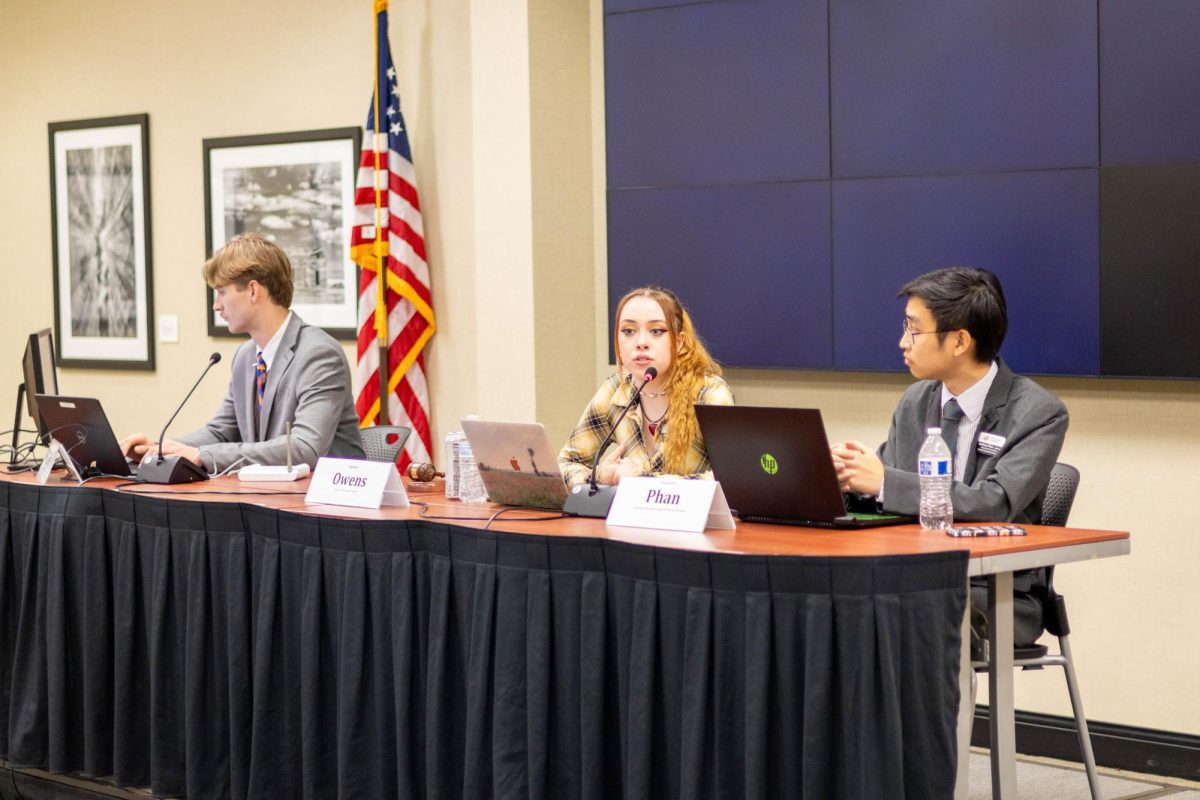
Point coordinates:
[(101, 242), (296, 188)]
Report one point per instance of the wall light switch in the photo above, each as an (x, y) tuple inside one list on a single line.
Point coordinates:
[(168, 327)]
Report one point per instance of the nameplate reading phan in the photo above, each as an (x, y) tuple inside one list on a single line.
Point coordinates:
[(673, 504), (350, 482)]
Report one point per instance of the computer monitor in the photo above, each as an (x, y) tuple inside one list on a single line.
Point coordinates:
[(41, 374)]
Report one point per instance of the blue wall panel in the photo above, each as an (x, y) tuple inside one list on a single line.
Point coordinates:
[(938, 132), (937, 86), (717, 93), (751, 262), (1150, 81), (1037, 231), (617, 6)]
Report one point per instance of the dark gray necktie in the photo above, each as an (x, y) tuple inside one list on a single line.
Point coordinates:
[(951, 414)]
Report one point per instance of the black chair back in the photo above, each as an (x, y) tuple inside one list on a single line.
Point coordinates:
[(1056, 509), (1060, 495), (376, 444)]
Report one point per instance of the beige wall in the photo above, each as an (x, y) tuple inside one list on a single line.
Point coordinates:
[(199, 70), (505, 110)]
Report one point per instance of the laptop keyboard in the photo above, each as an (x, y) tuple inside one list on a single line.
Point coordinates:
[(803, 523), (812, 523)]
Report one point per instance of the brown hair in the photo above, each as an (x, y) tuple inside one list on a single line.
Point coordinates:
[(690, 365), (250, 257)]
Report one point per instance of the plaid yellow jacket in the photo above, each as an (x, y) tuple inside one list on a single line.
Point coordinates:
[(575, 459)]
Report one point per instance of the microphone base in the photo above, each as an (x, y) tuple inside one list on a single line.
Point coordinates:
[(270, 474), (585, 500), (171, 469)]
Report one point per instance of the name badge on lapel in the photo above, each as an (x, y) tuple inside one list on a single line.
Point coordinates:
[(990, 444)]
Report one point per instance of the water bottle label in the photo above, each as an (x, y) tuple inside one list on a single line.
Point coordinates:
[(933, 468)]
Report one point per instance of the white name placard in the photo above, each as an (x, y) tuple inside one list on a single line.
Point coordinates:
[(673, 504), (53, 454), (350, 482)]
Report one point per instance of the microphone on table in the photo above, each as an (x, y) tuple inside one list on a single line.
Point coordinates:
[(591, 499), (174, 469)]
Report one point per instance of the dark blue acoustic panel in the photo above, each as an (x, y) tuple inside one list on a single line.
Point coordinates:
[(619, 6), (717, 93), (1150, 270), (1038, 231), (751, 262), (1150, 81), (944, 86)]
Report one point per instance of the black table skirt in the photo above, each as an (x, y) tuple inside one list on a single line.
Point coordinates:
[(225, 650)]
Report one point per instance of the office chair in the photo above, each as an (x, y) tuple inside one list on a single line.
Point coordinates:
[(376, 442), (1060, 496)]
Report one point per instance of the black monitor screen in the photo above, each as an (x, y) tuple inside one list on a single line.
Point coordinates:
[(41, 375)]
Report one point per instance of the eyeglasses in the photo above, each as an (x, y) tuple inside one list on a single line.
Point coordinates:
[(912, 335)]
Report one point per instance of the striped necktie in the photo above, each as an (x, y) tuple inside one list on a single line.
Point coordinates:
[(260, 381)]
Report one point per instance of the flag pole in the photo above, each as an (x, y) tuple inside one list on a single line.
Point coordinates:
[(381, 316)]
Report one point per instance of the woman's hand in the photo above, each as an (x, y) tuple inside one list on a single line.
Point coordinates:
[(615, 466)]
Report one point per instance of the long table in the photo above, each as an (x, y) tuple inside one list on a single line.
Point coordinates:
[(248, 645)]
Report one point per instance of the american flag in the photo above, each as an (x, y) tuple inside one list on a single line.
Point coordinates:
[(400, 310)]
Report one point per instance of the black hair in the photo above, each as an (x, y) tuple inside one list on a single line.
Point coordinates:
[(964, 298)]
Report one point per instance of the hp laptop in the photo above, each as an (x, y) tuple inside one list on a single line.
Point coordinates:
[(774, 466), (80, 424), (516, 463)]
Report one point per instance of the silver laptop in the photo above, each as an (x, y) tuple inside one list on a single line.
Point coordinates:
[(516, 462)]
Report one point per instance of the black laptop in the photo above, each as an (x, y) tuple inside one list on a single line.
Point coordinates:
[(774, 466), (80, 425)]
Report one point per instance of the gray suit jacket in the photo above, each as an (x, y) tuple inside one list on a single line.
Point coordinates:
[(1009, 485), (308, 384)]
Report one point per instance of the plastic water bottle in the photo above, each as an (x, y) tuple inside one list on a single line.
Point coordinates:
[(470, 482), (936, 473), (453, 440)]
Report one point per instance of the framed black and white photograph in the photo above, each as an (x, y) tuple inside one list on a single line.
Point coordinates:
[(296, 189), (100, 218)]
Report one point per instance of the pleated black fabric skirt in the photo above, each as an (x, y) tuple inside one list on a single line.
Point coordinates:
[(214, 650)]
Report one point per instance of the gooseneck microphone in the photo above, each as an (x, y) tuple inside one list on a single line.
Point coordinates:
[(174, 469), (213, 360), (593, 500), (634, 399)]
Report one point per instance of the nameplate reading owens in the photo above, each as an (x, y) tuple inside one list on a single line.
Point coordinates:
[(672, 504), (350, 482)]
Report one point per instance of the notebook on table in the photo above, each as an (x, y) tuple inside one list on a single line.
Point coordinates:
[(516, 462), (80, 424), (774, 466)]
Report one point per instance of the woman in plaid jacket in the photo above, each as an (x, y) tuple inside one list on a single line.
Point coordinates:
[(660, 434)]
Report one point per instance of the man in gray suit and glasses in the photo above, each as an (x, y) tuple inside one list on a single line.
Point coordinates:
[(288, 372), (1008, 430)]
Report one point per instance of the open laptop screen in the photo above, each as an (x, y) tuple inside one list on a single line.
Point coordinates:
[(516, 462), (82, 427), (774, 465)]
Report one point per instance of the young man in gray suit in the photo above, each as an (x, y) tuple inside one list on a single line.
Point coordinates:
[(288, 372), (1008, 431)]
